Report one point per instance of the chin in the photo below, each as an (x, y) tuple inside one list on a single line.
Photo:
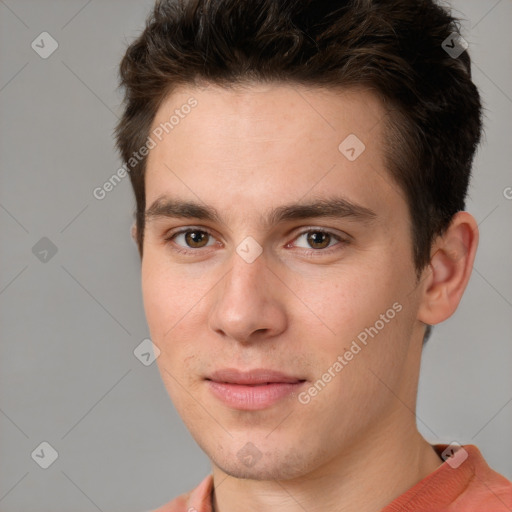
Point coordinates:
[(271, 466), (237, 470)]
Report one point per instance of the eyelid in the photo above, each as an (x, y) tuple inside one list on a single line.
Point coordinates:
[(341, 235), (172, 234), (342, 239), (184, 229)]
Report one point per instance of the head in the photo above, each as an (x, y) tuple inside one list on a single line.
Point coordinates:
[(247, 119)]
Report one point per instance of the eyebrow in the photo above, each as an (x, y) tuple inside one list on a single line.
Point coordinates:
[(336, 207)]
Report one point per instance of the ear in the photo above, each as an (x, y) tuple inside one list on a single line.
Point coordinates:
[(134, 232), (450, 267)]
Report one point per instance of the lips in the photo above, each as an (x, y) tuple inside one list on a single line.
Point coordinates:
[(256, 377), (252, 390)]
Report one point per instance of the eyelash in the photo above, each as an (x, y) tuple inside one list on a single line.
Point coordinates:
[(308, 253)]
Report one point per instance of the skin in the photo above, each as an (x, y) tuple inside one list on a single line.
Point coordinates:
[(243, 151)]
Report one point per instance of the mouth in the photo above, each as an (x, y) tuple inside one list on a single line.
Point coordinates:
[(253, 390)]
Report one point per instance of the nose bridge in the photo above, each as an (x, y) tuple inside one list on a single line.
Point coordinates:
[(245, 303), (243, 287)]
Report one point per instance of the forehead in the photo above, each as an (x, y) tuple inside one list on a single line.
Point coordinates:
[(277, 112), (260, 146)]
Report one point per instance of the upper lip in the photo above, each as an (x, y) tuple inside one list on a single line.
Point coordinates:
[(256, 376)]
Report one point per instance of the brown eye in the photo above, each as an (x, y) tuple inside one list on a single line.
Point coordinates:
[(196, 239), (319, 242), (318, 239), (188, 239)]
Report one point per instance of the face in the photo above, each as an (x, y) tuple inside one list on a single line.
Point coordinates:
[(278, 249)]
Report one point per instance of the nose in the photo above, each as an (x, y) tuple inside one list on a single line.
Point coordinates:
[(249, 304)]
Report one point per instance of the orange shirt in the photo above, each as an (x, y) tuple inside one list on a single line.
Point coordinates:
[(458, 485)]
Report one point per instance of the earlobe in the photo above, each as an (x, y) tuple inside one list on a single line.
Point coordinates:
[(449, 271), (134, 233)]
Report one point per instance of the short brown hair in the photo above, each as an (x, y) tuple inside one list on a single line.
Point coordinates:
[(393, 47)]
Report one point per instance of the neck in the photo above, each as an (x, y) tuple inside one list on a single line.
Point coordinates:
[(366, 479)]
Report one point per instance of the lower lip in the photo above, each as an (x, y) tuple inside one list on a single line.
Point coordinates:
[(252, 398)]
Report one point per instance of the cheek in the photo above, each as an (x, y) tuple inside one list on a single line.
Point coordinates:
[(166, 293), (156, 298), (352, 379), (347, 299), (365, 313), (166, 308), (165, 303), (172, 304)]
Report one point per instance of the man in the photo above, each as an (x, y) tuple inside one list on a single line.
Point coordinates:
[(300, 169)]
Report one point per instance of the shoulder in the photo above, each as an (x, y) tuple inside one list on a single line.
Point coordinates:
[(472, 485), (195, 500), (489, 488), (178, 504), (464, 482)]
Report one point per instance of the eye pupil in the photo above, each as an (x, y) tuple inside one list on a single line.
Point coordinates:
[(317, 239), (196, 238)]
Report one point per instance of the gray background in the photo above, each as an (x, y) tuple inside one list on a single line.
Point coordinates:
[(69, 326)]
